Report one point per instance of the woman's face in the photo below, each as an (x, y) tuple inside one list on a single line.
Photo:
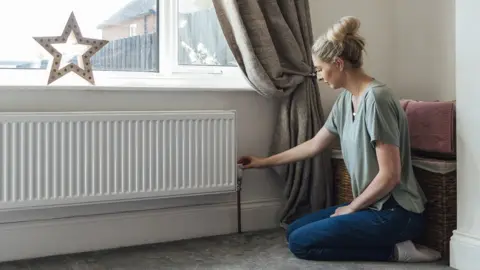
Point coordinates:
[(330, 73)]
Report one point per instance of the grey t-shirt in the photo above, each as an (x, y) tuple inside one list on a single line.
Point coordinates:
[(379, 117)]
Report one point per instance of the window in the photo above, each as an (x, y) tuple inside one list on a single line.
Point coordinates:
[(133, 30), (147, 38)]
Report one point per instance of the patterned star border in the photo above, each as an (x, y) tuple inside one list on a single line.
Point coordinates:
[(84, 67)]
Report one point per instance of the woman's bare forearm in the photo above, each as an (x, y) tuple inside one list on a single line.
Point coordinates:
[(302, 151), (299, 152)]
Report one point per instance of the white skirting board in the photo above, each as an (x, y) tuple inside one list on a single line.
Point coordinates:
[(464, 251), (64, 236)]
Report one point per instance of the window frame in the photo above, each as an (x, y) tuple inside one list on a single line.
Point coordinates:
[(168, 70), (169, 28)]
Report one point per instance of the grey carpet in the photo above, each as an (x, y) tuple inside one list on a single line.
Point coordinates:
[(258, 250)]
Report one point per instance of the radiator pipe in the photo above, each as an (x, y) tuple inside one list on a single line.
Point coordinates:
[(239, 189)]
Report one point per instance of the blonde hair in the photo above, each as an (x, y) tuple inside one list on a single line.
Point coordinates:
[(341, 40)]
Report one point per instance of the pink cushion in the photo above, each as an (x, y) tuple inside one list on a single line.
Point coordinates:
[(432, 126), (404, 103)]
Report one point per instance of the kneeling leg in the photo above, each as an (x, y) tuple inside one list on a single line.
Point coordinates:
[(310, 218), (366, 235)]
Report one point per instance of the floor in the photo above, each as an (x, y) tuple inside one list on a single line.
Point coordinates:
[(259, 250)]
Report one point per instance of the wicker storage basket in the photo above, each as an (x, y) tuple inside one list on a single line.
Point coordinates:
[(440, 187)]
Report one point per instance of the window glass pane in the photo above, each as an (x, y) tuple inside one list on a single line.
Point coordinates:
[(129, 26), (200, 38)]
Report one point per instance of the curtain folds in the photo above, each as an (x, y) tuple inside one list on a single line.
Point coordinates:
[(271, 43)]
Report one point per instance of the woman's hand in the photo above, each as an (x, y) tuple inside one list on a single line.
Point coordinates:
[(249, 162), (343, 210)]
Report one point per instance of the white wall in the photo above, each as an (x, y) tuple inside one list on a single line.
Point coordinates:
[(465, 244), (253, 138), (132, 223), (424, 44)]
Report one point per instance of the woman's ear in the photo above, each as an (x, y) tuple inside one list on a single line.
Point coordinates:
[(339, 63)]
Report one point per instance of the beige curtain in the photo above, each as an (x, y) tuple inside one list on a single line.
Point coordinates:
[(271, 42)]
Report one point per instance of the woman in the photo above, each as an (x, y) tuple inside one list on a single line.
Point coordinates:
[(387, 210)]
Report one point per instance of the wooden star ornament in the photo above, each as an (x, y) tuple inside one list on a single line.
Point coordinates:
[(83, 68)]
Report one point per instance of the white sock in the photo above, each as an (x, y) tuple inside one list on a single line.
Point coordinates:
[(408, 252)]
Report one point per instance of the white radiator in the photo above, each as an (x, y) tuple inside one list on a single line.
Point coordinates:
[(51, 159)]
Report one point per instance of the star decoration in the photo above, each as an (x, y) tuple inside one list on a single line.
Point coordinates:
[(83, 68)]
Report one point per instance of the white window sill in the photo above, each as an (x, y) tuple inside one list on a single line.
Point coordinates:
[(123, 81)]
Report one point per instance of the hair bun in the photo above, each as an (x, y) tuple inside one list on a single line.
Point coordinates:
[(347, 26)]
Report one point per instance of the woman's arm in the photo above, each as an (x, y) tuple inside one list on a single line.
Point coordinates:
[(388, 177), (308, 149)]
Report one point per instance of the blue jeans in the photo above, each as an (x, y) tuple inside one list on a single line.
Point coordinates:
[(366, 235)]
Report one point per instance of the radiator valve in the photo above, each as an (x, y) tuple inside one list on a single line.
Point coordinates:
[(239, 177)]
